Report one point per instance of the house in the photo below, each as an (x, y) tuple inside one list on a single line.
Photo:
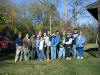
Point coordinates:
[(94, 9)]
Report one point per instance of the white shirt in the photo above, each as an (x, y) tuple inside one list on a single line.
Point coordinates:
[(69, 42), (41, 45)]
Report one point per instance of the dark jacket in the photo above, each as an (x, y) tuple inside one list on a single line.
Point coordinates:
[(32, 41), (26, 43)]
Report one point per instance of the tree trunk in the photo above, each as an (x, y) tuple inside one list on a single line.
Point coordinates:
[(50, 24), (99, 32), (75, 16), (97, 39), (66, 15)]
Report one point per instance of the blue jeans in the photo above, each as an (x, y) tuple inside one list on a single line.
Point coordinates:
[(75, 51), (53, 53), (61, 52), (37, 51), (81, 52), (42, 55)]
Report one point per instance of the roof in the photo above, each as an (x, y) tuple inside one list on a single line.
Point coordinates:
[(93, 9), (94, 5)]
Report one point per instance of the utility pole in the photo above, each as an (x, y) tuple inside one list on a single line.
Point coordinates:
[(50, 24), (66, 14)]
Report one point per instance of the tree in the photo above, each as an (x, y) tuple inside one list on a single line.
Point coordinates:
[(77, 9)]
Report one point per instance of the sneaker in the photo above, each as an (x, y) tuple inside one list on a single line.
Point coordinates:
[(78, 57), (47, 59), (67, 58), (81, 57), (40, 60)]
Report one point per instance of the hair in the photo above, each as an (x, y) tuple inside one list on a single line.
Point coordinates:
[(75, 29)]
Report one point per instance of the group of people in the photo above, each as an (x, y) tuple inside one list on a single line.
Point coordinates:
[(50, 46)]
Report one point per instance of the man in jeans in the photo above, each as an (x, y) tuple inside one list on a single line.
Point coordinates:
[(54, 43), (74, 50), (19, 50), (61, 45)]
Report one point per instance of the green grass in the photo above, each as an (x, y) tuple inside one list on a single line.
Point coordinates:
[(90, 65)]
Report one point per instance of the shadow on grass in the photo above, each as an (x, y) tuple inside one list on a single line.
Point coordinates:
[(92, 51), (7, 56)]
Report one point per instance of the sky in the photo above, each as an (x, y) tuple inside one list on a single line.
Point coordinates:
[(61, 10)]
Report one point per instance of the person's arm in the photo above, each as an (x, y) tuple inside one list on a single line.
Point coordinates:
[(16, 42), (83, 40), (69, 42)]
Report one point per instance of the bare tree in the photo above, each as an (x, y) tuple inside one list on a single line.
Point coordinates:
[(77, 9)]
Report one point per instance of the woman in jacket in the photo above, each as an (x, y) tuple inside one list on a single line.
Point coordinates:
[(54, 43), (80, 44)]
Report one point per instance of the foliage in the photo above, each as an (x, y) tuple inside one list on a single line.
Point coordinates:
[(90, 32)]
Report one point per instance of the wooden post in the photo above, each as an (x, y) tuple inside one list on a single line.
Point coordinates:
[(50, 24), (99, 32)]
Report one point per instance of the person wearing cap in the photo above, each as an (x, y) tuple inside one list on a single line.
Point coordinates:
[(19, 50), (80, 44), (32, 49), (74, 49), (68, 43), (69, 32)]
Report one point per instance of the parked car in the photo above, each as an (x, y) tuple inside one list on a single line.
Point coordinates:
[(6, 45)]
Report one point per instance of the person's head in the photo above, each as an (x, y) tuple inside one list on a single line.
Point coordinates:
[(75, 30), (68, 35), (45, 33), (33, 34), (41, 38), (40, 32), (27, 36), (53, 34), (80, 32), (57, 32), (19, 35), (38, 36), (48, 32), (68, 31), (64, 33)]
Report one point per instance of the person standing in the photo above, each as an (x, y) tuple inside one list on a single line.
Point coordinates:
[(37, 46), (74, 50), (47, 46), (40, 33), (68, 43), (19, 50), (61, 45), (54, 43), (49, 35), (58, 36), (26, 47), (80, 44), (32, 50), (41, 49)]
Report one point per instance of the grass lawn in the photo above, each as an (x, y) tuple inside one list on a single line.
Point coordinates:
[(90, 65)]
